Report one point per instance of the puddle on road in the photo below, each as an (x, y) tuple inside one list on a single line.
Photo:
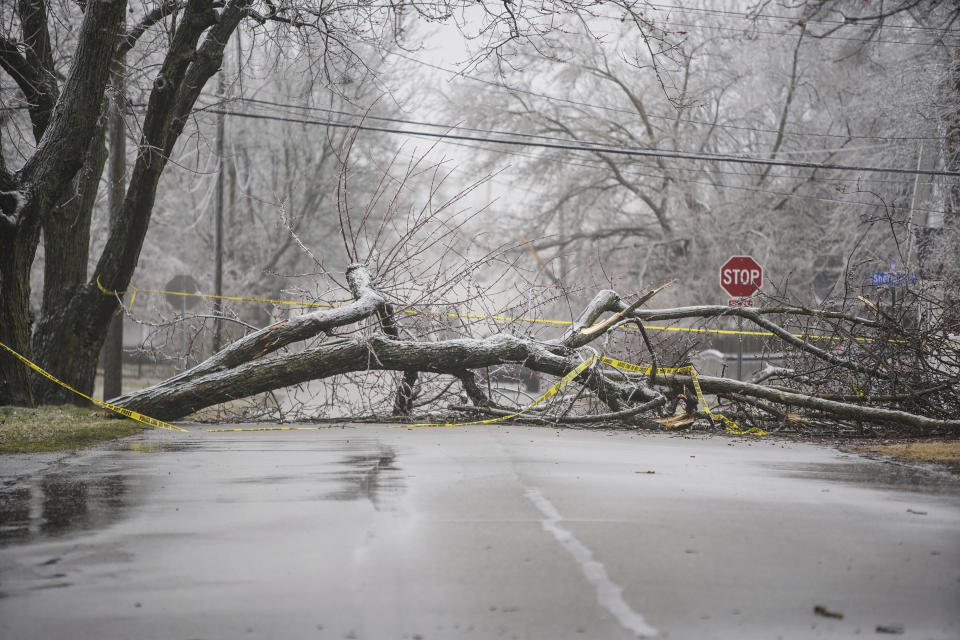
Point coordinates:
[(880, 475), (374, 476), (58, 503), (75, 499)]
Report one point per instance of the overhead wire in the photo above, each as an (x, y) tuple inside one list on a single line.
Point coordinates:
[(652, 116), (632, 172), (585, 146), (459, 127), (597, 147), (467, 140), (450, 127), (752, 129)]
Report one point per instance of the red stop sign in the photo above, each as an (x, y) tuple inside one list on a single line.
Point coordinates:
[(741, 276)]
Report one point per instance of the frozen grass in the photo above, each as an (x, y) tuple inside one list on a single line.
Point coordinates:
[(940, 452), (24, 430)]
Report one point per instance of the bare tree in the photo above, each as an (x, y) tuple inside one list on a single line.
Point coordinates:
[(53, 164)]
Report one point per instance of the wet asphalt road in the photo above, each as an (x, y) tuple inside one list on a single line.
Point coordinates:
[(370, 532)]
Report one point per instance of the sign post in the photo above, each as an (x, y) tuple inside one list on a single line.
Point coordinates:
[(741, 277)]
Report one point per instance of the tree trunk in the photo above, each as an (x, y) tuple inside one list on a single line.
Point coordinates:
[(66, 241), (73, 343), (241, 369), (112, 355), (38, 187), (17, 248)]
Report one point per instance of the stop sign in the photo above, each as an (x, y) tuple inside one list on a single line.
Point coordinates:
[(741, 276), (182, 284)]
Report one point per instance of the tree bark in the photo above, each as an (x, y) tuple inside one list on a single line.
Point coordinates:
[(171, 400), (17, 248), (66, 241), (403, 400), (31, 193), (112, 356), (241, 369)]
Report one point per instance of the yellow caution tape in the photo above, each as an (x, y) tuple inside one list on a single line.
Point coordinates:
[(139, 417), (263, 429), (134, 291), (470, 316), (552, 391), (642, 368), (731, 426)]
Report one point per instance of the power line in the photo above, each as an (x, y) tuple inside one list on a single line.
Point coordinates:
[(447, 127), (597, 165), (576, 103), (598, 147), (459, 127), (587, 146), (365, 116)]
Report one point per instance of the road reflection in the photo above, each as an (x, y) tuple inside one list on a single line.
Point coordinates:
[(370, 475), (55, 504)]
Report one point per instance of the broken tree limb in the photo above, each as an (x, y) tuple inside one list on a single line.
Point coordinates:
[(712, 384), (403, 401), (469, 382), (625, 313), (178, 397), (603, 302), (585, 328), (756, 316), (258, 344), (716, 310)]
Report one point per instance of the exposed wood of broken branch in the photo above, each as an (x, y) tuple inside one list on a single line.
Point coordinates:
[(585, 328), (625, 313)]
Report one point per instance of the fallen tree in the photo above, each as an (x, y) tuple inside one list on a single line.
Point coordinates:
[(364, 336), (425, 331)]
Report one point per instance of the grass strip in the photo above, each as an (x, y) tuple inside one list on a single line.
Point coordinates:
[(55, 428)]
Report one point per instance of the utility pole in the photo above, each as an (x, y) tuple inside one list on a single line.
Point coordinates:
[(218, 235), (218, 202), (113, 345), (914, 227)]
